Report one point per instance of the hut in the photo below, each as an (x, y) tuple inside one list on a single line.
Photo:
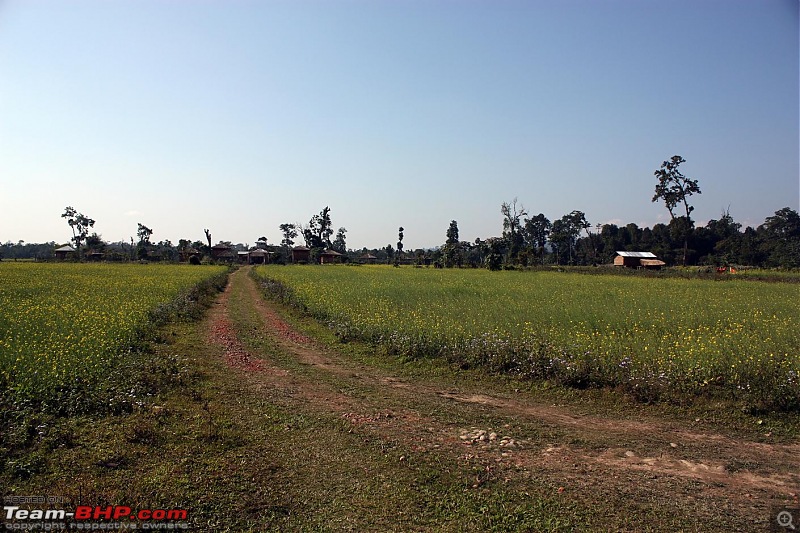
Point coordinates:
[(221, 252), (259, 256), (368, 259), (638, 260), (64, 252), (188, 253), (301, 254), (330, 256)]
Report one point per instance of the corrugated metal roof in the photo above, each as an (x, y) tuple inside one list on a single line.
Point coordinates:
[(647, 255), (66, 248)]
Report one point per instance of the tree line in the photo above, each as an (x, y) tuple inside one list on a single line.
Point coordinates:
[(526, 240)]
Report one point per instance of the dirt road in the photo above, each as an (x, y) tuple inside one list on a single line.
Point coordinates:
[(629, 473)]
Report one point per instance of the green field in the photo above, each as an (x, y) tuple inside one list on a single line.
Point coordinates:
[(657, 339), (64, 328)]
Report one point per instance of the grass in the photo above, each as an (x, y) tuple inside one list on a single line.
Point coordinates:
[(245, 454), (242, 458), (64, 328), (656, 338), (76, 342)]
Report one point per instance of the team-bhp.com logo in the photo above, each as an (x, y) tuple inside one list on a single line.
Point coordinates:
[(86, 517)]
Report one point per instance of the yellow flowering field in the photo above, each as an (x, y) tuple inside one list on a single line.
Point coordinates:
[(657, 338), (63, 327)]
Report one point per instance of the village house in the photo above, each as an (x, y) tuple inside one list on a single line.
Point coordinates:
[(330, 256), (301, 254), (638, 260), (221, 252), (258, 256), (64, 252)]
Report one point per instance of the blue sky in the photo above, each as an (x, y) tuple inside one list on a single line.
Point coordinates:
[(241, 115)]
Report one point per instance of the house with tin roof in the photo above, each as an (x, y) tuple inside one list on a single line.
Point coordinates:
[(638, 260)]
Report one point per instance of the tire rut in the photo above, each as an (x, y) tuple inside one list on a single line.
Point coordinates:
[(751, 475)]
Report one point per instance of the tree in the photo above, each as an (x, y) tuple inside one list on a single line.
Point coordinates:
[(183, 248), (208, 238), (564, 234), (494, 255), (389, 252), (289, 234), (400, 240), (781, 238), (719, 241), (674, 188), (560, 238), (576, 222), (451, 247), (80, 225), (452, 233), (512, 227), (339, 243), (537, 230), (319, 230), (95, 242), (144, 233)]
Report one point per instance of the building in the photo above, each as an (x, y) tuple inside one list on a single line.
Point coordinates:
[(368, 259), (188, 253), (330, 256), (64, 252), (221, 252), (255, 257), (638, 260), (301, 254)]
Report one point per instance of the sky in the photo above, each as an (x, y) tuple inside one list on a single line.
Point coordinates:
[(239, 116)]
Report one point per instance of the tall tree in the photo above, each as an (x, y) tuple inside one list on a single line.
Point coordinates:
[(577, 222), (80, 225), (208, 238), (537, 230), (339, 244), (674, 188), (400, 240), (319, 230), (289, 232), (512, 227), (452, 233), (144, 233), (560, 239), (451, 250)]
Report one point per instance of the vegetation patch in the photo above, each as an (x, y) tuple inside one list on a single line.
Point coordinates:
[(658, 339), (75, 341)]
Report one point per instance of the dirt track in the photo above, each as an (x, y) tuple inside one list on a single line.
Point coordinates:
[(661, 461)]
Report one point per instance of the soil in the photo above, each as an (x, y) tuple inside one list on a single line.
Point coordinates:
[(588, 453)]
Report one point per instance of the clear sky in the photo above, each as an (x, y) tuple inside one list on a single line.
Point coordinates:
[(241, 115)]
